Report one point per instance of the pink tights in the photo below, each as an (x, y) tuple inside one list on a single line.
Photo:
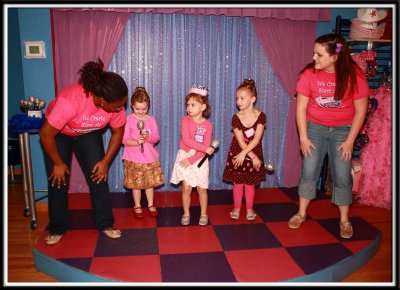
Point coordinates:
[(249, 191)]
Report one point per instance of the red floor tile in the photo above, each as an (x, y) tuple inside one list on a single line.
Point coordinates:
[(74, 244), (310, 233), (79, 201), (356, 246), (323, 209), (128, 269), (187, 239), (270, 195), (263, 265), (124, 219)]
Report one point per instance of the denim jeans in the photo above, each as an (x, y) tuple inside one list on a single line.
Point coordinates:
[(88, 150), (327, 140)]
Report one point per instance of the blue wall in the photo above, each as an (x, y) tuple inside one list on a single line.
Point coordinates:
[(35, 76), (329, 27), (15, 77), (38, 79)]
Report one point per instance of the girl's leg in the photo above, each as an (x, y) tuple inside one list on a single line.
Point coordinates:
[(203, 199), (150, 202), (137, 208), (249, 191), (150, 196), (249, 194), (237, 195), (186, 198), (137, 194)]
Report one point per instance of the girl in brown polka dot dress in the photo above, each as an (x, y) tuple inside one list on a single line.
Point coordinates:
[(245, 162)]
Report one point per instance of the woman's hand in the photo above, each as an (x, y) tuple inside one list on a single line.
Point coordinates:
[(99, 172), (58, 175), (347, 150), (305, 147)]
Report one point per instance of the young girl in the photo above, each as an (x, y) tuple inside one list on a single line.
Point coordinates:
[(196, 133), (141, 159), (245, 163)]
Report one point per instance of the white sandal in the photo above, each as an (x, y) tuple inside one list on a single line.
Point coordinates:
[(52, 239)]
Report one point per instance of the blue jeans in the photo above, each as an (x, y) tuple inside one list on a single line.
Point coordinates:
[(327, 140), (88, 150)]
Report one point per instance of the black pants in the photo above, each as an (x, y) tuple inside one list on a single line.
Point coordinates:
[(89, 149)]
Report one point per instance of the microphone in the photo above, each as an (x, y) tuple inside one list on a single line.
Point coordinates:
[(269, 167), (214, 144), (140, 126)]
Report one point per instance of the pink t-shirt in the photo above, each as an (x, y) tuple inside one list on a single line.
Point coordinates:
[(74, 114), (322, 108), (195, 136), (133, 153)]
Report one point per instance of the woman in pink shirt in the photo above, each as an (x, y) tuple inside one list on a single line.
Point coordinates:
[(332, 101), (142, 169), (74, 123), (196, 134)]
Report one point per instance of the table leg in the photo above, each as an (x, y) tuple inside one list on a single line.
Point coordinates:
[(29, 178), (24, 174)]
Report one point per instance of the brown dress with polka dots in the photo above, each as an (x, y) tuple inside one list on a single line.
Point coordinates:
[(245, 174)]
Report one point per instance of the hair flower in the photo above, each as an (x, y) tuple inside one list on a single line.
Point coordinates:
[(338, 47)]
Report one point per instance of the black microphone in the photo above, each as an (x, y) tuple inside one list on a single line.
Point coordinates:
[(140, 126), (214, 144)]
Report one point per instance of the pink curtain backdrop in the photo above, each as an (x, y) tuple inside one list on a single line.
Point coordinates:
[(81, 36), (288, 45), (308, 14)]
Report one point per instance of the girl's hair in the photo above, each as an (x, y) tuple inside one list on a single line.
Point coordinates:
[(140, 95), (250, 85), (107, 85), (202, 100), (345, 66)]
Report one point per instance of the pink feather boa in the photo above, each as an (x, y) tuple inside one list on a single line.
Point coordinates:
[(376, 156)]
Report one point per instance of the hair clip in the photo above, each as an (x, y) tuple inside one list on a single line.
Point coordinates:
[(202, 91), (338, 47)]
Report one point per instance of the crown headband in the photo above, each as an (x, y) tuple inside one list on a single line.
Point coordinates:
[(202, 91)]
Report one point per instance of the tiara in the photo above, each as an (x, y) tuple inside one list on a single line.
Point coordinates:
[(202, 91)]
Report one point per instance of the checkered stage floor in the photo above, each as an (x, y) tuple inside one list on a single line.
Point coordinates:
[(161, 250)]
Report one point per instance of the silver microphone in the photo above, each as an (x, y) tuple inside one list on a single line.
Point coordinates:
[(214, 144), (140, 126), (269, 167)]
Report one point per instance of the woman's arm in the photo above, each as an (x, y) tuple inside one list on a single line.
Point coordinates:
[(100, 170), (301, 111), (361, 106), (47, 136)]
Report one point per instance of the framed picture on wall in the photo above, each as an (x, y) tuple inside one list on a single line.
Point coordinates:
[(34, 49)]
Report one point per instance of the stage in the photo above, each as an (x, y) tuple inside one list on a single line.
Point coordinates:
[(161, 251)]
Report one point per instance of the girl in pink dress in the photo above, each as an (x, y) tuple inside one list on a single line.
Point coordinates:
[(196, 133), (142, 169)]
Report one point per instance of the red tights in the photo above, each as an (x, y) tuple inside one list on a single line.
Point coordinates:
[(249, 191)]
